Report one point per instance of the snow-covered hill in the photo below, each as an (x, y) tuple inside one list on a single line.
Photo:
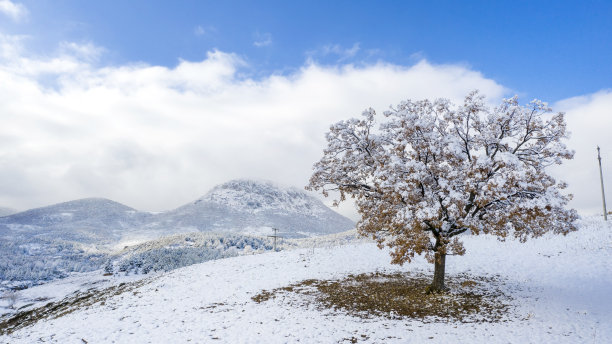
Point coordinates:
[(176, 251), (90, 220), (254, 206), (559, 289), (4, 211)]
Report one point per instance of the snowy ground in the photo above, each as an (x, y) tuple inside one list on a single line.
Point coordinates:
[(57, 290), (561, 286)]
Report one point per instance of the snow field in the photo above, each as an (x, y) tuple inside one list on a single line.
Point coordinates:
[(561, 288)]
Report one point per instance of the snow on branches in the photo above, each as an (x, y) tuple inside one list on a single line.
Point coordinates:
[(431, 170)]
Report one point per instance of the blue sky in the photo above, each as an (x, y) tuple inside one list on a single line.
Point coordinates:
[(152, 103), (546, 49)]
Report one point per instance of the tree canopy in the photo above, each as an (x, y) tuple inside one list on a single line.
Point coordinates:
[(428, 171)]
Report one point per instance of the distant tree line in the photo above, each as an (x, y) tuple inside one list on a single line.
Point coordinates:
[(179, 255), (33, 262)]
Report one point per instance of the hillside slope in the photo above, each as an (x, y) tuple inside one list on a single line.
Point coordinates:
[(559, 288)]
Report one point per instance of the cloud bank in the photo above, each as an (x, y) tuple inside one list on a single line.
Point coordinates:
[(155, 138), (589, 118)]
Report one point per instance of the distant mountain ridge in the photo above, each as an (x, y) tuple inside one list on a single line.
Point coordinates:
[(89, 220), (87, 211), (236, 206)]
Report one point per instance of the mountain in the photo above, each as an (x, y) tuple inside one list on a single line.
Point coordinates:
[(90, 220), (7, 211), (257, 206), (245, 206)]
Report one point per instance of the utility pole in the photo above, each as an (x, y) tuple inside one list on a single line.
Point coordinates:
[(274, 236), (603, 194)]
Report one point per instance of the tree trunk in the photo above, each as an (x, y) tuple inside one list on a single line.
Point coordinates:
[(437, 285)]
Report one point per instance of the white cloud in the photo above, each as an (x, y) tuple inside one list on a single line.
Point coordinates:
[(154, 137), (204, 31), (262, 39), (87, 51), (589, 119), (16, 11), (342, 53)]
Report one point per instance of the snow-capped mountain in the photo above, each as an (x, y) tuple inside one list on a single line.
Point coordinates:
[(236, 206), (255, 197), (247, 205), (90, 220)]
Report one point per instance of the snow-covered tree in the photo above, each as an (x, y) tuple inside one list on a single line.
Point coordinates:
[(432, 170)]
